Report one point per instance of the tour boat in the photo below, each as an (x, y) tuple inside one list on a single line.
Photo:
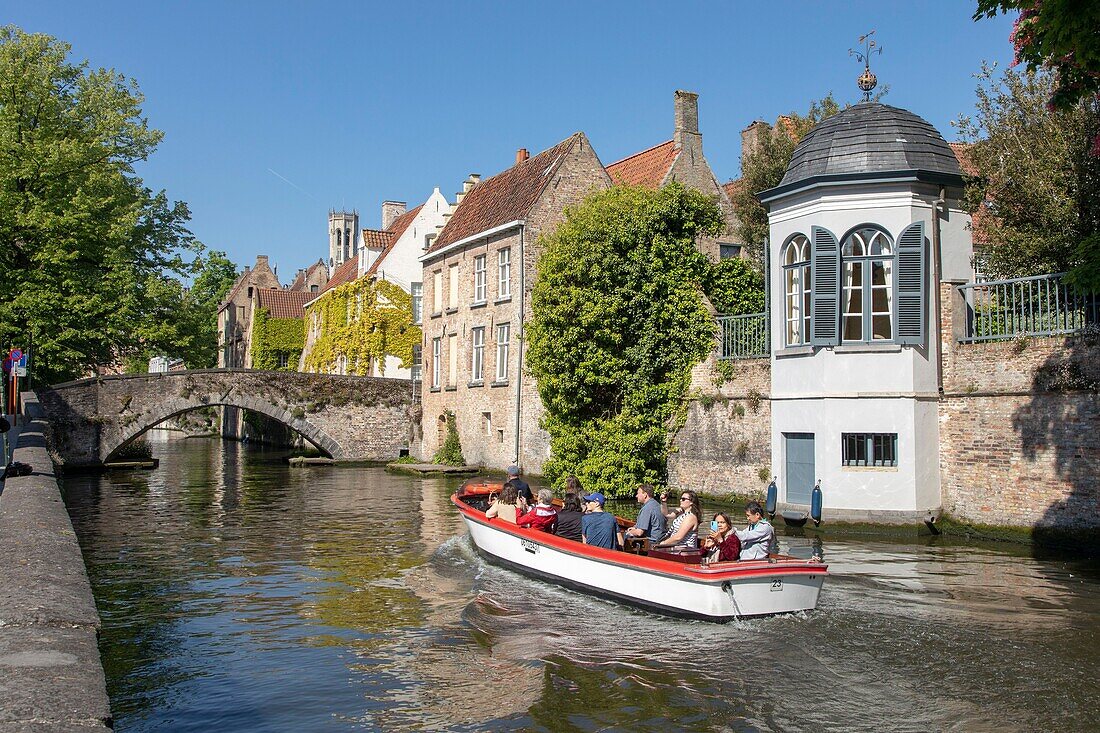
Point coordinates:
[(666, 582)]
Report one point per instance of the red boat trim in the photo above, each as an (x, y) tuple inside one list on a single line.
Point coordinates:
[(693, 573)]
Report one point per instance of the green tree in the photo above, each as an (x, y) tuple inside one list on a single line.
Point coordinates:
[(1037, 174), (1059, 35), (763, 167), (82, 240), (618, 321), (182, 322)]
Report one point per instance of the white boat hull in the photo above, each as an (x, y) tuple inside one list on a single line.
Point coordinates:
[(719, 592)]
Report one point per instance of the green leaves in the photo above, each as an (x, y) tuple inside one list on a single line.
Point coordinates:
[(84, 246), (1038, 174), (618, 322)]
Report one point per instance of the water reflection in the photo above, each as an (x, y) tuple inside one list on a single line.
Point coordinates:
[(240, 594)]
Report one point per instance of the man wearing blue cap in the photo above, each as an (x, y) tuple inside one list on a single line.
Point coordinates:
[(598, 528), (522, 486)]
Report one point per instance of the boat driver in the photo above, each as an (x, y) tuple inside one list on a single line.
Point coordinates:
[(651, 521), (756, 539)]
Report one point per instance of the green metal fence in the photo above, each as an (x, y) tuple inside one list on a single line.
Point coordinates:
[(1042, 305), (743, 337)]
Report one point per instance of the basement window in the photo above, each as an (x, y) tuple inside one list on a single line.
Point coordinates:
[(870, 449)]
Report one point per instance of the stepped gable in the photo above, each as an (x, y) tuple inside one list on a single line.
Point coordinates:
[(283, 303), (397, 228), (870, 137), (647, 168), (505, 197)]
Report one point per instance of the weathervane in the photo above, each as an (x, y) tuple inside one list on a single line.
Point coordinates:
[(867, 80)]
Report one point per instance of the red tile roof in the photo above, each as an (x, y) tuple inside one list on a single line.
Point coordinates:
[(377, 238), (300, 279), (283, 303), (397, 228), (344, 273), (505, 197), (647, 168)]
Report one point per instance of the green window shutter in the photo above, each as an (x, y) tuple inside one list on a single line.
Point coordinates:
[(825, 290), (910, 286)]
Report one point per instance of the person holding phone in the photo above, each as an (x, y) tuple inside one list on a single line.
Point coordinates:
[(722, 544)]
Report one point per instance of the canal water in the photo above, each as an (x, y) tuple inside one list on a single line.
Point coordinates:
[(238, 594)]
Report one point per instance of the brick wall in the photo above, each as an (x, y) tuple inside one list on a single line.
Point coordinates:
[(1020, 428), (726, 440)]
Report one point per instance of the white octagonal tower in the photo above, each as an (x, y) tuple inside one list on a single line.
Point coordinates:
[(864, 225)]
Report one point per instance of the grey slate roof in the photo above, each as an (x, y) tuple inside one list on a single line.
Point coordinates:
[(870, 138)]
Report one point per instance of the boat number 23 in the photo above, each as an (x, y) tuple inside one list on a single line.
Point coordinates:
[(777, 584), (530, 546)]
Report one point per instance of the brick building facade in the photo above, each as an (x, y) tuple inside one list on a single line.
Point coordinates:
[(478, 278)]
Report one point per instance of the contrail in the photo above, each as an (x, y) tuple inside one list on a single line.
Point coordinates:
[(291, 183)]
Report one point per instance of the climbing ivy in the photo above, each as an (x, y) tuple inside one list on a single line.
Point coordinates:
[(450, 453), (735, 287), (617, 323), (362, 321), (275, 337)]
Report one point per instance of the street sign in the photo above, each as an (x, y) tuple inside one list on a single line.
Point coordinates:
[(16, 355), (20, 371)]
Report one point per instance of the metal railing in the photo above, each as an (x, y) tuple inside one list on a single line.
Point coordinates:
[(743, 337), (1042, 305)]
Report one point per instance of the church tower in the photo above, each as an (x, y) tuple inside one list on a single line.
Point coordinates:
[(343, 237)]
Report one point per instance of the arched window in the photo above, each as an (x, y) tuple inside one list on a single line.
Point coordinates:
[(796, 286), (867, 267)]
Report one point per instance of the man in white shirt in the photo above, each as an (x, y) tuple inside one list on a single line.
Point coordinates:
[(756, 539)]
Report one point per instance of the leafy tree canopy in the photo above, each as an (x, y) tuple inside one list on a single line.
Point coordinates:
[(183, 322), (618, 321), (1060, 35), (1037, 173), (765, 163), (82, 240)]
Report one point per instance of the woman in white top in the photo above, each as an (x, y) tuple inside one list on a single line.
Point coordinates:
[(683, 530)]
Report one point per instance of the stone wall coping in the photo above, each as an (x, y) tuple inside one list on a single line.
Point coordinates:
[(48, 618), (231, 370)]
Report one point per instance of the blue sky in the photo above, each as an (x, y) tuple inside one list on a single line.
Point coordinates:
[(275, 112)]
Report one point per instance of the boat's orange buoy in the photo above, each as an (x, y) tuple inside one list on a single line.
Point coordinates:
[(479, 486)]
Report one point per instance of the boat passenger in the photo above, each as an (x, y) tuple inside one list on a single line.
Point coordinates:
[(651, 520), (722, 544), (599, 528), (569, 516), (682, 533), (756, 539), (505, 507), (543, 515), (522, 486)]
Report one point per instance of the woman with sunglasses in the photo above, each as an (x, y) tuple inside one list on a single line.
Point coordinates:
[(683, 530), (722, 544)]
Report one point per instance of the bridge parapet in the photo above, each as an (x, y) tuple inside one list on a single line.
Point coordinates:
[(350, 418)]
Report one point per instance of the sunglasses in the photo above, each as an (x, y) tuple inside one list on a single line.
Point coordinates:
[(685, 498)]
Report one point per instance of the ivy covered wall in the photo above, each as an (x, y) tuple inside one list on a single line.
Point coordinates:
[(360, 323), (273, 338)]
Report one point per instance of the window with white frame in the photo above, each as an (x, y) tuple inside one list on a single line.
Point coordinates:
[(437, 357), (480, 285), (477, 355), (504, 273), (437, 291), (867, 261), (417, 292), (417, 365), (869, 449), (797, 289), (504, 334)]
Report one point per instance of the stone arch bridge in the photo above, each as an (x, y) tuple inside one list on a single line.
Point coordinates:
[(349, 418)]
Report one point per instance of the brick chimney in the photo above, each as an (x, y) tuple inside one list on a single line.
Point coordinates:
[(686, 106), (750, 137), (390, 211), (522, 155)]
